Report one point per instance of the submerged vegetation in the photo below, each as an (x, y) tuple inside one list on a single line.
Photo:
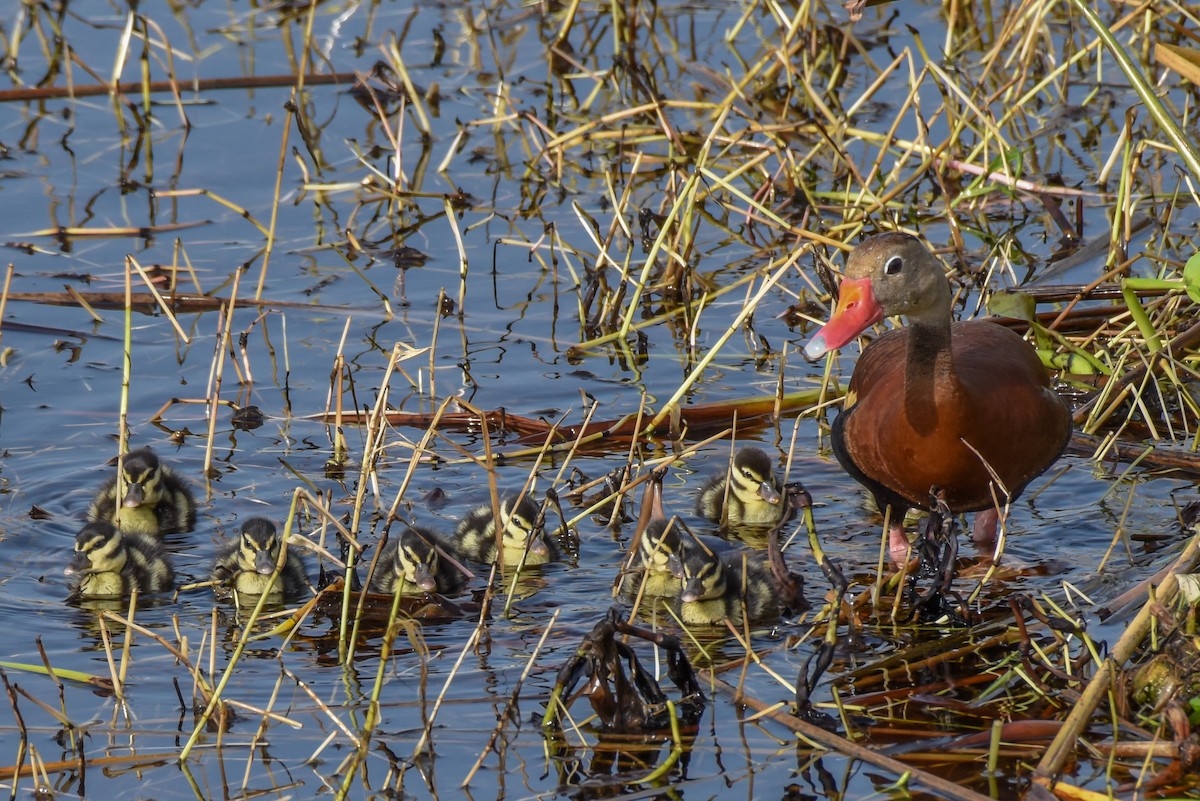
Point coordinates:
[(374, 269)]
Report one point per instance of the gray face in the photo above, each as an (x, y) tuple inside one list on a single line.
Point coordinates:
[(906, 279)]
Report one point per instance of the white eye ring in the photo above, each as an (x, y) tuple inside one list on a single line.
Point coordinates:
[(893, 265)]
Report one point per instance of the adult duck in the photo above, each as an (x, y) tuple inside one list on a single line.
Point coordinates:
[(937, 405)]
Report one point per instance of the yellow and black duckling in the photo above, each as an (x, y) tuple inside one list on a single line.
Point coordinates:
[(410, 564), (716, 587), (156, 501), (660, 554), (111, 563), (475, 537), (749, 495), (245, 565)]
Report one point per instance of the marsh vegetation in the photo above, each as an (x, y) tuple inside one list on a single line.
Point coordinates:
[(347, 265)]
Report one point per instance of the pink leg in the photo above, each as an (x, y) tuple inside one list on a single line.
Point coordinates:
[(897, 543), (983, 533)]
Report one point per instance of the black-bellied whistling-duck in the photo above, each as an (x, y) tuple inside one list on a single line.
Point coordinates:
[(938, 404), (750, 495)]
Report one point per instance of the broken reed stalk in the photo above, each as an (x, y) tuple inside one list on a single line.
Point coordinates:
[(76, 739), (372, 450), (23, 742), (413, 463), (126, 372), (462, 254), (838, 744), (423, 741), (166, 308), (746, 310), (126, 650)]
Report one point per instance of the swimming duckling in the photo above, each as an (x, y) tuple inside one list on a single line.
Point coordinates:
[(111, 563), (156, 501), (245, 565), (717, 588), (660, 554), (475, 537), (411, 565), (753, 496)]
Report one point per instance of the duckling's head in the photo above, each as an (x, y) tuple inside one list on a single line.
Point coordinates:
[(98, 549), (703, 574), (660, 546), (416, 561), (753, 477), (518, 520), (258, 548), (143, 478)]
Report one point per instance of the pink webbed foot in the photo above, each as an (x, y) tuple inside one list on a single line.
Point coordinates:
[(898, 546), (983, 532)]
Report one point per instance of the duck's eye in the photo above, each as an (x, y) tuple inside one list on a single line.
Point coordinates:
[(893, 265)]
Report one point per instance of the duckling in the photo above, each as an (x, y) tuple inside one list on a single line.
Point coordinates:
[(245, 565), (660, 553), (717, 588), (156, 501), (411, 565), (753, 496), (111, 563), (475, 537)]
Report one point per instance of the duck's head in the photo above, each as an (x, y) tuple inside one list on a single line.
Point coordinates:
[(753, 477), (98, 549), (143, 477), (416, 560), (258, 548), (518, 521), (702, 573), (660, 544), (888, 275)]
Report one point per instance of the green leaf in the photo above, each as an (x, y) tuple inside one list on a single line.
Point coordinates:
[(1012, 303), (1191, 277)]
